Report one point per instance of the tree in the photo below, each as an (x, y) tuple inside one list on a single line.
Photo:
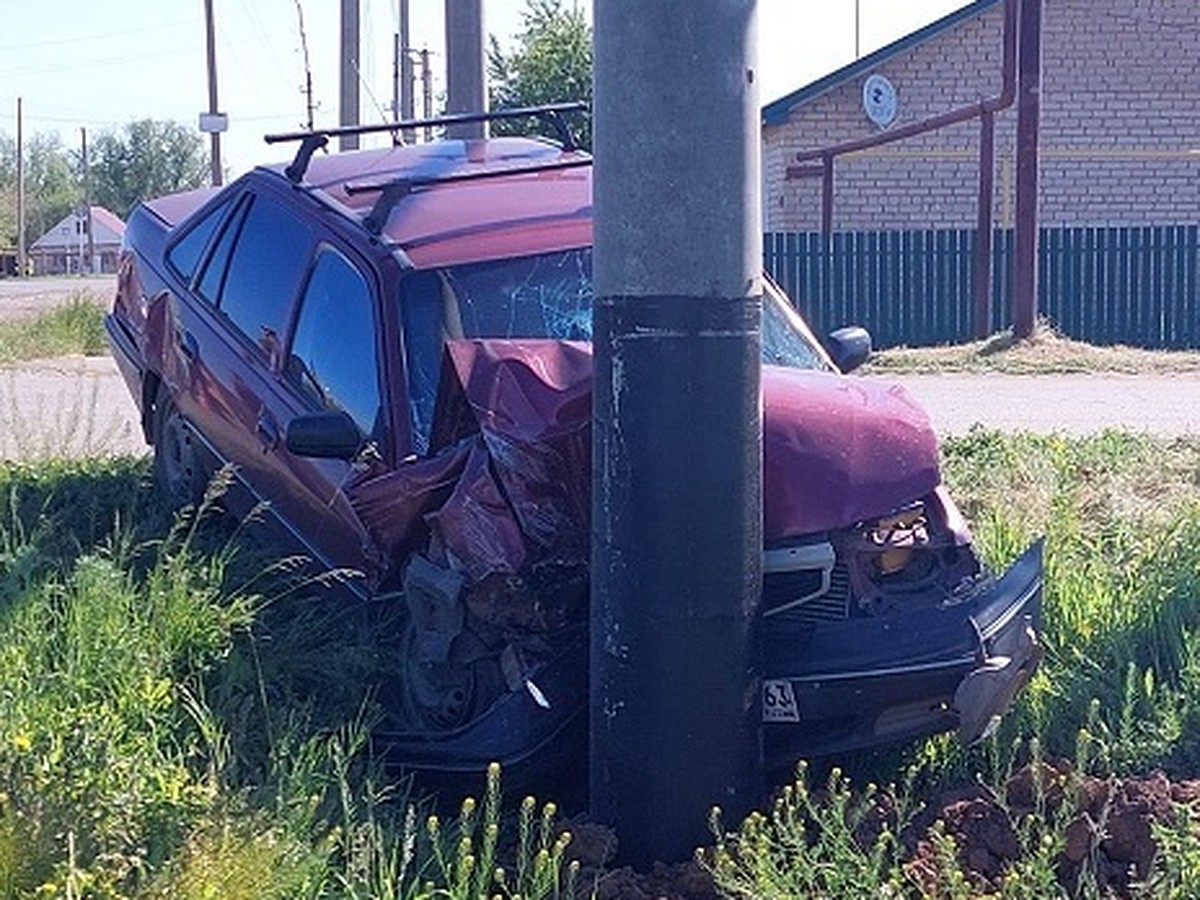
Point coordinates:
[(146, 159), (551, 63), (51, 187)]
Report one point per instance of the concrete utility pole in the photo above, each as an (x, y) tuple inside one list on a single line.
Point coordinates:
[(348, 107), (465, 87), (22, 264), (1025, 236), (406, 64), (677, 434), (214, 135)]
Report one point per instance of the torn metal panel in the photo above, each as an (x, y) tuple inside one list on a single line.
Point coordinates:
[(510, 478)]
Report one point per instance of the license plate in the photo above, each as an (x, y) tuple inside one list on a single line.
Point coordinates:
[(779, 702)]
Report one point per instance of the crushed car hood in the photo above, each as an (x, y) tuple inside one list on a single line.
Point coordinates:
[(507, 482), (838, 450)]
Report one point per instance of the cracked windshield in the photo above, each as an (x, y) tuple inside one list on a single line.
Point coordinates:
[(544, 296)]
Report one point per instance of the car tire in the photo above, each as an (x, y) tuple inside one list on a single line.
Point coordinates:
[(176, 465)]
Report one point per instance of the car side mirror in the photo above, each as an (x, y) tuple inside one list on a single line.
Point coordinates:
[(849, 347), (324, 435)]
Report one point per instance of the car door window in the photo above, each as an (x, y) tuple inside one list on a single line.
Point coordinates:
[(268, 261), (184, 256), (333, 359), (214, 270)]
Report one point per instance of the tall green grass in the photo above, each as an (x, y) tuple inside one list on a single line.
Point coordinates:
[(76, 326), (182, 717), (1118, 691)]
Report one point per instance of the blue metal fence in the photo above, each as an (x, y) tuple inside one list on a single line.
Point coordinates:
[(1134, 285)]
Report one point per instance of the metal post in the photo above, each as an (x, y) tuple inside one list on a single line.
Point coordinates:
[(214, 136), (348, 80), (1025, 237), (465, 92), (22, 259), (677, 440), (827, 193), (981, 313)]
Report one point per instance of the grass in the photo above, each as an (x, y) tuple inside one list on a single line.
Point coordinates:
[(74, 327), (1045, 353), (182, 716), (1118, 692)]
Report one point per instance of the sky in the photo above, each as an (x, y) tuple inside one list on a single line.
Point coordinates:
[(99, 64)]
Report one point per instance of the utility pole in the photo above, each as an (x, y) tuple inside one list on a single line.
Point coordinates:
[(309, 106), (406, 64), (90, 264), (214, 128), (22, 263), (676, 565), (396, 51), (348, 107), (465, 90), (402, 72), (1025, 236), (426, 92)]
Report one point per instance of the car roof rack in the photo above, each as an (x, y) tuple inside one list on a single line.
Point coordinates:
[(313, 140), (392, 192)]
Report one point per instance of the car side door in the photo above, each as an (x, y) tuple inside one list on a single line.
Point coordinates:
[(232, 335), (334, 363)]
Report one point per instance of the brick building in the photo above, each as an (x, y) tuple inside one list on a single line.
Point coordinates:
[(1120, 133)]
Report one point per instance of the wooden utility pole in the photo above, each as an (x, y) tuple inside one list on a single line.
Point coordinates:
[(89, 265), (426, 91), (22, 263), (348, 106), (676, 565), (214, 133), (465, 90)]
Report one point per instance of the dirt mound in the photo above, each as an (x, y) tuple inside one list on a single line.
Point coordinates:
[(1106, 825)]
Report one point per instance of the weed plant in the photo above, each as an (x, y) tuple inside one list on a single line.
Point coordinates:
[(1117, 694), (181, 716), (76, 326)]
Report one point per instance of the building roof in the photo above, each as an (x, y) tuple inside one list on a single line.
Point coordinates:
[(777, 112), (107, 228)]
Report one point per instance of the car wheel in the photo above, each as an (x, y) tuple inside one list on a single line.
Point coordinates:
[(176, 469), (442, 696)]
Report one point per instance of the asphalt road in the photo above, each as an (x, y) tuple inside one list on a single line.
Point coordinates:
[(30, 296), (1073, 404), (74, 405)]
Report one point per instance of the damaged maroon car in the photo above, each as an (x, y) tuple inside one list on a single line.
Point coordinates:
[(391, 347)]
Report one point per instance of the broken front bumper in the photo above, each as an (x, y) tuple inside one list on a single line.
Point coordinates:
[(838, 686)]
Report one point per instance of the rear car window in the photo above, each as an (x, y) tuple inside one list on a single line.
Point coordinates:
[(268, 261), (184, 256)]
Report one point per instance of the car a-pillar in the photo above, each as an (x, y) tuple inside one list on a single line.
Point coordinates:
[(677, 436)]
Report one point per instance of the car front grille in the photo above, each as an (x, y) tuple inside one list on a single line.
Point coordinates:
[(783, 588)]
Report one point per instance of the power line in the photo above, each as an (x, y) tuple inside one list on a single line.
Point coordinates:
[(97, 37)]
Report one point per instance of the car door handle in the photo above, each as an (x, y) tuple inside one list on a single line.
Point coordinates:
[(189, 346), (268, 431)]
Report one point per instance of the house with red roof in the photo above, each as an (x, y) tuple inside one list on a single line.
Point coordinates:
[(64, 248)]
